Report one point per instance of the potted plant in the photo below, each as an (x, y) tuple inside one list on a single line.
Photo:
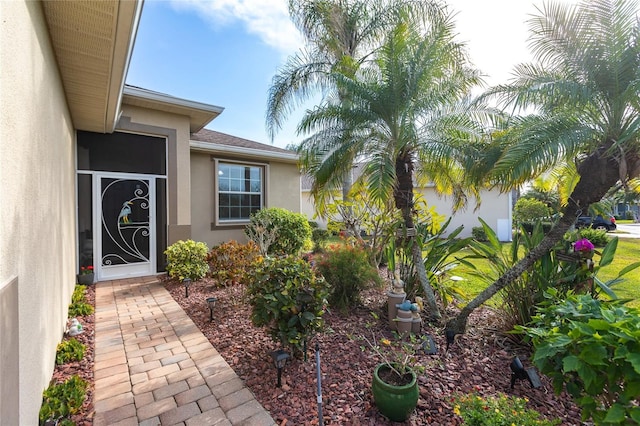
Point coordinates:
[(86, 275), (395, 379)]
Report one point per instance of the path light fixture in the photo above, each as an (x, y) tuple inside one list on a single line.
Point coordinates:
[(518, 372), (211, 302), (451, 337), (280, 358), (187, 283)]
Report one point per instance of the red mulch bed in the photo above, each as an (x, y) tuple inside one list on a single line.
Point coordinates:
[(477, 362), (84, 367)]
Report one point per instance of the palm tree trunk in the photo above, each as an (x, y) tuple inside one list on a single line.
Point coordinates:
[(403, 195), (597, 175)]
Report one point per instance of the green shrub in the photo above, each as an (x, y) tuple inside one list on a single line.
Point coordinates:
[(63, 399), (69, 350), (319, 237), (279, 231), (347, 270), (231, 262), (288, 299), (529, 226), (530, 209), (80, 309), (187, 259), (598, 237), (334, 227), (478, 234), (591, 348), (78, 294), (497, 411)]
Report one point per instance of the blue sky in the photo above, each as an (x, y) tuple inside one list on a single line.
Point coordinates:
[(225, 52)]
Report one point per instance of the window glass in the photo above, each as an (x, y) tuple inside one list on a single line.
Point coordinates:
[(240, 191), (122, 152)]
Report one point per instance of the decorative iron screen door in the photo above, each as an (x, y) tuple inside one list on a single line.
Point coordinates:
[(126, 212)]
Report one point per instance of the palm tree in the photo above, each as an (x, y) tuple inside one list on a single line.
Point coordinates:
[(406, 118), (584, 90), (340, 36)]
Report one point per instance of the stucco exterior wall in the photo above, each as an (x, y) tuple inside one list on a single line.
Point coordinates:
[(282, 190), (157, 123), (37, 195)]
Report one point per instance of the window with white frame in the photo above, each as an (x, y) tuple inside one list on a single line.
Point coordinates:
[(240, 190)]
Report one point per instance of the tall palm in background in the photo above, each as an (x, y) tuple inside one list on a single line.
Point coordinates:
[(340, 36), (585, 91), (406, 118)]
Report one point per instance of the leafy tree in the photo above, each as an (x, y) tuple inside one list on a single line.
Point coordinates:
[(340, 37), (584, 89), (406, 118), (528, 209)]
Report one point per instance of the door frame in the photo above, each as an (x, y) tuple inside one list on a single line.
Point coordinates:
[(130, 270)]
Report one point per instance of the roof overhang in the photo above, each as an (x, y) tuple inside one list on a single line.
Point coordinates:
[(248, 153), (93, 42), (200, 114)]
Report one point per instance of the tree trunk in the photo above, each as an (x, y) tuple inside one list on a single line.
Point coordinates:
[(403, 196), (597, 175), (347, 214)]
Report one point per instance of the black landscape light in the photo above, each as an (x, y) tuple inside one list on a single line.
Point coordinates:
[(518, 372), (451, 337), (187, 283), (280, 358), (211, 302)]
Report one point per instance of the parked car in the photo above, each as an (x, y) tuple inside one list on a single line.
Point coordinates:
[(598, 222)]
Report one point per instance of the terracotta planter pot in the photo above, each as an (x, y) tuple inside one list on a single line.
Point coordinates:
[(395, 402)]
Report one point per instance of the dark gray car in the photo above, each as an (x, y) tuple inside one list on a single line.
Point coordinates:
[(596, 223)]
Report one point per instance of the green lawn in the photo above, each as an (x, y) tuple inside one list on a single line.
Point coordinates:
[(628, 252)]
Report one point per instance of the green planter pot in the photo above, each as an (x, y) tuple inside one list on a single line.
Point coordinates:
[(395, 402)]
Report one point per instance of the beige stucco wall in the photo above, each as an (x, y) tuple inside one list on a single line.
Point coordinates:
[(157, 123), (37, 195), (282, 190)]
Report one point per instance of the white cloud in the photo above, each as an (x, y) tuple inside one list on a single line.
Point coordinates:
[(267, 19)]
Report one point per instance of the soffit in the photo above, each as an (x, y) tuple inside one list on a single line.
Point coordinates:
[(200, 114), (93, 41)]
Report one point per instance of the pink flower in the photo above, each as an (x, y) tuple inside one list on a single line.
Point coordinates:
[(583, 245)]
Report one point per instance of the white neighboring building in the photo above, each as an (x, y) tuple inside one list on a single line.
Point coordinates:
[(495, 209)]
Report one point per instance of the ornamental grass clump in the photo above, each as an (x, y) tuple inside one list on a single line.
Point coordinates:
[(348, 271)]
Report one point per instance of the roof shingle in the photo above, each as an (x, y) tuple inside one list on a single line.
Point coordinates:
[(211, 136)]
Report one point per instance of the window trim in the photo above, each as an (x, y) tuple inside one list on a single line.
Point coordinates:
[(240, 223)]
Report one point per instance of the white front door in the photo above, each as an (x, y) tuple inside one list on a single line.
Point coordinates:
[(124, 218)]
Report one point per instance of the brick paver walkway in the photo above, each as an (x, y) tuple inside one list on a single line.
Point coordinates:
[(153, 366)]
